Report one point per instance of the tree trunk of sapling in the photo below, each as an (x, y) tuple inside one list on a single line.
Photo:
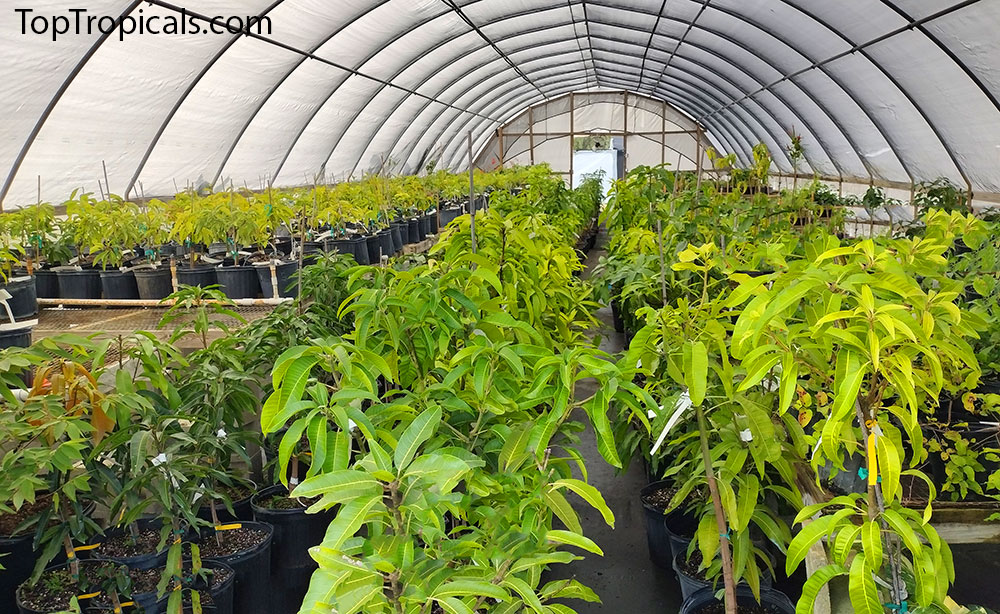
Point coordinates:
[(720, 515)]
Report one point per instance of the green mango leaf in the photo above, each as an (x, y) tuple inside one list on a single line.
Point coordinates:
[(419, 431)]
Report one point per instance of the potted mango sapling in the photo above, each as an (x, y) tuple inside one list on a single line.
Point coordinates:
[(731, 449), (865, 325), (111, 232), (65, 412), (216, 390)]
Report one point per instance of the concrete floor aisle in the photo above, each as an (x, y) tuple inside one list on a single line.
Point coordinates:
[(624, 578)]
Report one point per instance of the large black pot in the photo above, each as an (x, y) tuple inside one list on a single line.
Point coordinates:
[(404, 232), (241, 510), (148, 560), (658, 536), (222, 596), (119, 285), (18, 562), (23, 609), (46, 283), (23, 299), (385, 242), (154, 284), (397, 238), (253, 573), (294, 533), (285, 272), (433, 217), (690, 585), (238, 281), (374, 245), (203, 276), (773, 601), (425, 225), (359, 249), (82, 284), (414, 226)]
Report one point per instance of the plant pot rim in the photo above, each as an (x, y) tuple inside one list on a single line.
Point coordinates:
[(246, 524), (267, 492)]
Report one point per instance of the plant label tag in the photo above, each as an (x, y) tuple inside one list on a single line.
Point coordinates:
[(682, 405)]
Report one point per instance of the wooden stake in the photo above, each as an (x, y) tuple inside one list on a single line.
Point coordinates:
[(107, 183)]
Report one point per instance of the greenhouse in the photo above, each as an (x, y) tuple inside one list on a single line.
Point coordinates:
[(483, 307)]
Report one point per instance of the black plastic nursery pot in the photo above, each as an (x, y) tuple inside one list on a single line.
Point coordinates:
[(23, 299), (22, 607), (295, 532), (154, 284), (616, 317), (691, 584), (19, 561), (425, 224), (239, 281), (285, 273), (414, 226), (773, 601), (251, 594), (79, 284), (386, 242), (663, 543), (397, 238), (119, 285), (433, 220), (46, 283), (404, 232), (359, 249), (139, 560), (221, 594), (374, 246), (203, 276), (283, 245), (241, 510)]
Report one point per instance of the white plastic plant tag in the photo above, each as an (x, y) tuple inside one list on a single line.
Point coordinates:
[(293, 482), (351, 425), (221, 434), (746, 435), (682, 405), (159, 460)]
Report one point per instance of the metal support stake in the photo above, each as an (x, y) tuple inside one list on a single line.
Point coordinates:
[(107, 184), (472, 196), (698, 162)]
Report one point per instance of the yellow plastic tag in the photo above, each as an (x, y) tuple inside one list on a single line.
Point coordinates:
[(872, 460), (128, 604), (85, 548), (88, 596), (228, 527)]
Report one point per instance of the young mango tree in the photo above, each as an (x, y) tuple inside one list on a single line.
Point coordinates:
[(864, 326)]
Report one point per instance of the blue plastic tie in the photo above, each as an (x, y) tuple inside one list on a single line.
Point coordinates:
[(863, 473), (902, 607)]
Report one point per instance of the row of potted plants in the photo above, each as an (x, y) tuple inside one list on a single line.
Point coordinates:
[(787, 361), (115, 249), (159, 441)]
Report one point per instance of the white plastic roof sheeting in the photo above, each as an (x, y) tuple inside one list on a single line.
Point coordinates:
[(888, 90)]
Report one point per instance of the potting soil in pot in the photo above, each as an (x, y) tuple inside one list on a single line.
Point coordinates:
[(55, 588), (138, 551), (227, 543)]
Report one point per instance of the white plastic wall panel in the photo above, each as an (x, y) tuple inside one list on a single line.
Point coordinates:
[(954, 104), (33, 70)]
